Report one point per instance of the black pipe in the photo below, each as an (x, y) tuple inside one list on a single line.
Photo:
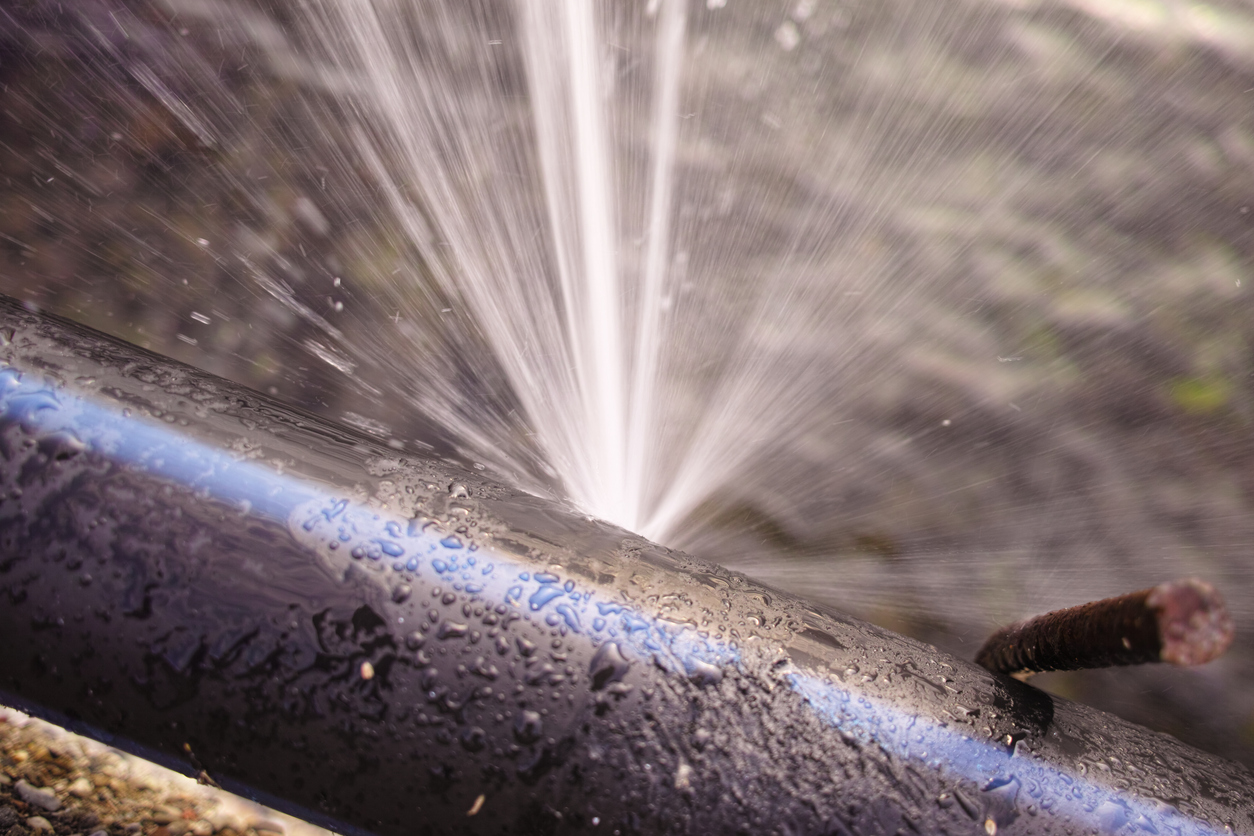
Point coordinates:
[(390, 644)]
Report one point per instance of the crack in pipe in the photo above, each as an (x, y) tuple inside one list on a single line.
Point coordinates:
[(381, 643)]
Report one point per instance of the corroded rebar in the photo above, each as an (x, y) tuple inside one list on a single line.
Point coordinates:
[(1183, 622)]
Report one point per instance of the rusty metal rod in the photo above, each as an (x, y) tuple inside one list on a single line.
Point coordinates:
[(1183, 622)]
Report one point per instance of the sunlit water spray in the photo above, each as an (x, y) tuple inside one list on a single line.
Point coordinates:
[(640, 403), (573, 318)]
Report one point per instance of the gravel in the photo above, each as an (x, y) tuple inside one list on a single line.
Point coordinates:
[(53, 783)]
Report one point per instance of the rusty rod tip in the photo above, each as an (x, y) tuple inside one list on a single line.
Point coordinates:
[(1194, 626)]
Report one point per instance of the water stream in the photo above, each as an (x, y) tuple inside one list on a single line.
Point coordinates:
[(934, 311)]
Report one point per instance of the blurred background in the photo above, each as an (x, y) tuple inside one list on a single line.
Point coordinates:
[(957, 292)]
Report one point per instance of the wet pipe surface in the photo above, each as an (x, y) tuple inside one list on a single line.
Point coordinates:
[(391, 644)]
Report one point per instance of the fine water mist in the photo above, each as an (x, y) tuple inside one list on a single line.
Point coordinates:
[(937, 312)]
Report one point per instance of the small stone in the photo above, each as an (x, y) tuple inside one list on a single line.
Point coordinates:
[(178, 828), (201, 827), (165, 815), (37, 796), (38, 823), (5, 780), (135, 827), (220, 819), (80, 819), (81, 788), (8, 817), (100, 833)]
